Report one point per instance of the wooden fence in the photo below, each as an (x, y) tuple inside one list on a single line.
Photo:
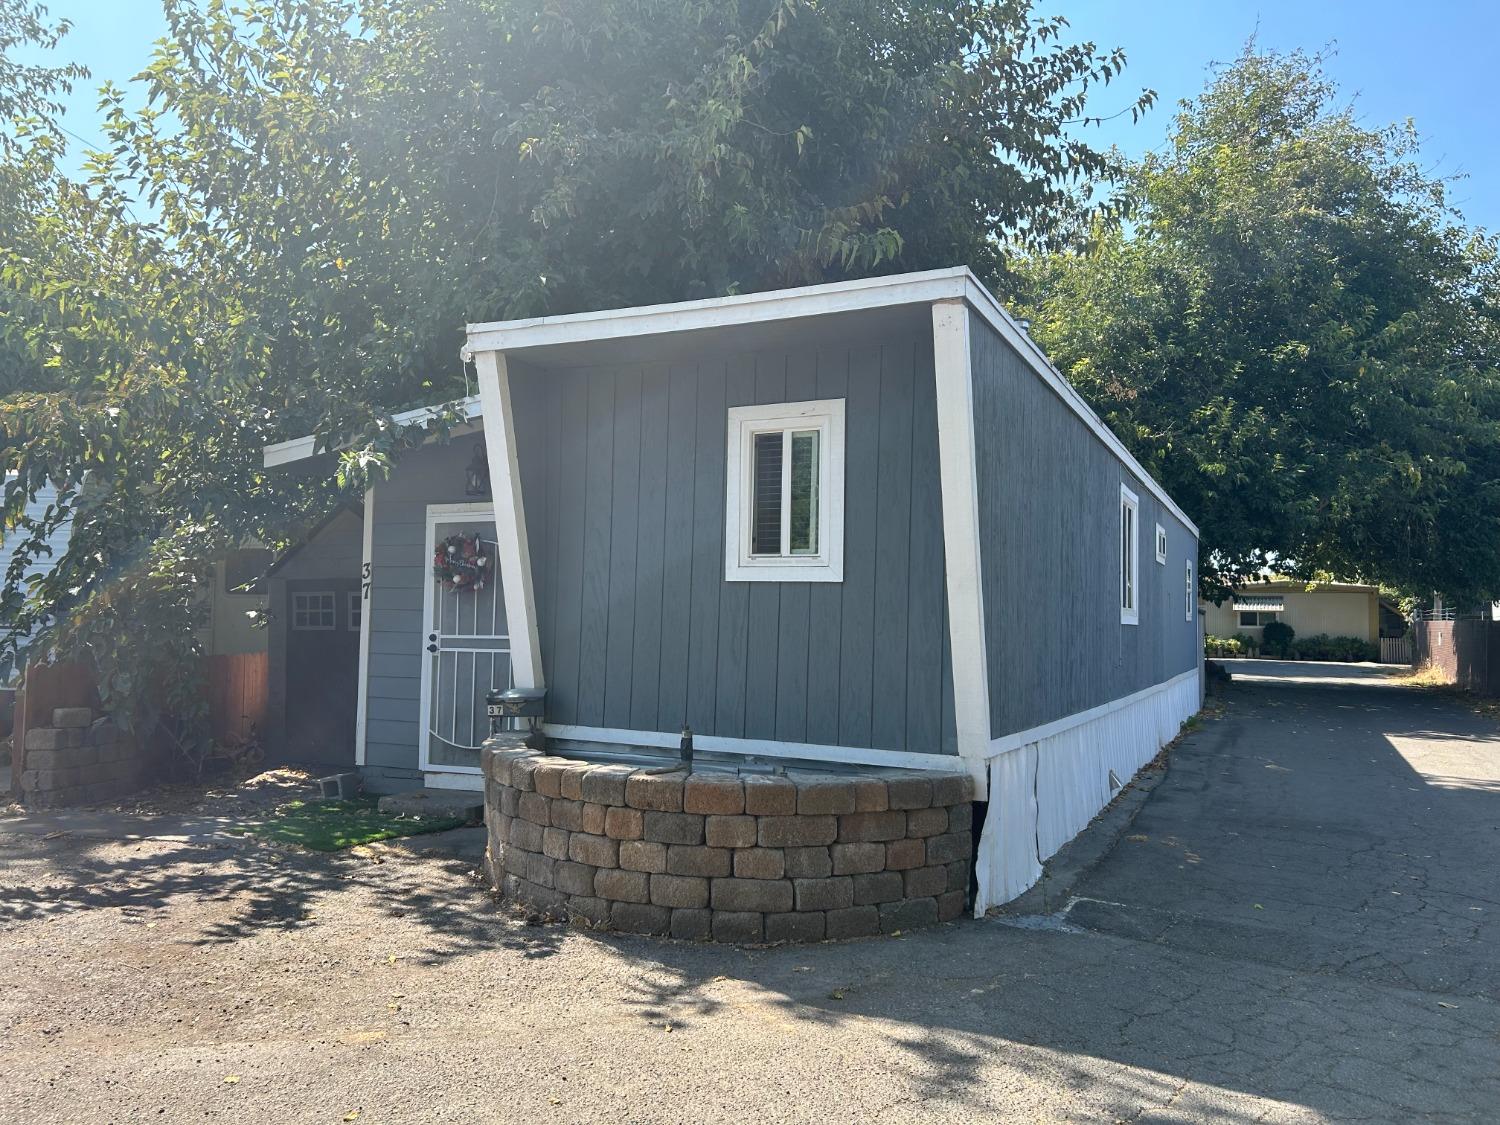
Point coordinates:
[(238, 691), (1396, 650), (1466, 651)]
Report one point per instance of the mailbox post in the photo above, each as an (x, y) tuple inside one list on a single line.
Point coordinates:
[(519, 703)]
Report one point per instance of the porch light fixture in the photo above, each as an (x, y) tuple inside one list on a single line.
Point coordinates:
[(477, 475)]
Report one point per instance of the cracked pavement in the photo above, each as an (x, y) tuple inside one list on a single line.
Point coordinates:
[(1299, 926)]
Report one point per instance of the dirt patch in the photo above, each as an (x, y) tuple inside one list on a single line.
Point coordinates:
[(240, 796)]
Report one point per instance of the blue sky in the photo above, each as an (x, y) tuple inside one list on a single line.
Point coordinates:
[(1432, 62)]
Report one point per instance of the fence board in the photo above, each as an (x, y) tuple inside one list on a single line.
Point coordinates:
[(1395, 650), (238, 690)]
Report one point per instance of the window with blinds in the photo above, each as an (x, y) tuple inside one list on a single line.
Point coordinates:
[(784, 519)]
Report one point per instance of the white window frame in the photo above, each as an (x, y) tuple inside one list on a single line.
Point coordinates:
[(1129, 590), (305, 596), (1161, 544), (1189, 594), (354, 610), (824, 415)]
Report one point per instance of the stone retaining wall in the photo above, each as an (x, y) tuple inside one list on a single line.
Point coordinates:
[(716, 856), (78, 760)]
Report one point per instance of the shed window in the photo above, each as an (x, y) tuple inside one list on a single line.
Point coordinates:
[(1161, 544), (1130, 557), (316, 610), (1188, 593), (785, 492)]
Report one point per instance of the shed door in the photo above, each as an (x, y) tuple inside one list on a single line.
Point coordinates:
[(322, 670), (465, 646)]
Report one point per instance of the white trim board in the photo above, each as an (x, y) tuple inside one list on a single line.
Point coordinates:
[(720, 312), (301, 448), (761, 748), (469, 781), (1008, 742), (366, 593), (962, 545), (512, 549)]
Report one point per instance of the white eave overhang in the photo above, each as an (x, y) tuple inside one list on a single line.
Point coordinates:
[(300, 448)]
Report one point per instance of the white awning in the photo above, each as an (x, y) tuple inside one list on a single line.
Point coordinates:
[(1268, 603)]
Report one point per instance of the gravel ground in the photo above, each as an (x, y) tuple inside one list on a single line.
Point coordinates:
[(241, 982)]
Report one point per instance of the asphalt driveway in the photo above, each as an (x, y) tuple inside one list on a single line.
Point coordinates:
[(1334, 821), (1301, 935)]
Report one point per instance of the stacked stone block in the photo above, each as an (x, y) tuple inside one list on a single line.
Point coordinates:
[(715, 856), (77, 760)]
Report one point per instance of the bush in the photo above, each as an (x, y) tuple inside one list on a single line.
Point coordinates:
[(1321, 646), (1277, 637), (1238, 645)]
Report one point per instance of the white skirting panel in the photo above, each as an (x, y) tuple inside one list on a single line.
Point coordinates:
[(1044, 792)]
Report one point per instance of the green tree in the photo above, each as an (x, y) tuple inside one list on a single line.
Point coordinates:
[(1298, 335), (316, 195)]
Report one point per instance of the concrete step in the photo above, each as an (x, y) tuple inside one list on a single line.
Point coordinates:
[(434, 802)]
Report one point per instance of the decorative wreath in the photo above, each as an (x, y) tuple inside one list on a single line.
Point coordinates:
[(460, 563)]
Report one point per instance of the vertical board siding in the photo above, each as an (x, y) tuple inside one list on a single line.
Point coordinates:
[(927, 640), (794, 618), (639, 629), (763, 627), (599, 454), (825, 600), (1049, 494), (857, 634), (671, 710), (734, 597), (650, 546), (431, 475), (624, 539), (708, 546), (893, 550)]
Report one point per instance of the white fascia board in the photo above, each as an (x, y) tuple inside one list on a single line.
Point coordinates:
[(300, 448), (985, 303), (721, 312), (760, 748)]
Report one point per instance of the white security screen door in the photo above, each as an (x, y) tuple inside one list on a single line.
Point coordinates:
[(465, 643)]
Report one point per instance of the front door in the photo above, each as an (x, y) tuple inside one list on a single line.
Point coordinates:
[(465, 646)]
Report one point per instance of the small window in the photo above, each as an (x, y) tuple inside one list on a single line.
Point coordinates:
[(1189, 595), (314, 611), (1130, 557), (1255, 618), (1161, 544), (784, 519), (356, 615), (245, 571)]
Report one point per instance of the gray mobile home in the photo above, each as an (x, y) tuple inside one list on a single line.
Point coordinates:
[(864, 523)]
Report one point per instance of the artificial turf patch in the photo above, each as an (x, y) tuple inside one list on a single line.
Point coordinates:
[(331, 826)]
